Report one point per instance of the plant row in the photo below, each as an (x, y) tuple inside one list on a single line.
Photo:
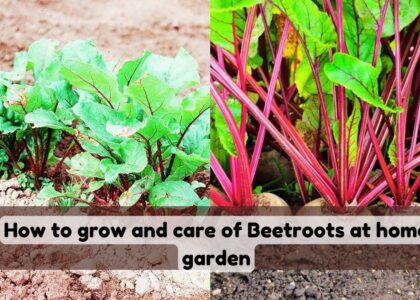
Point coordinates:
[(85, 131), (332, 85)]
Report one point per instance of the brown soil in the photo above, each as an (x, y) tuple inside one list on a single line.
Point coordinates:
[(120, 29)]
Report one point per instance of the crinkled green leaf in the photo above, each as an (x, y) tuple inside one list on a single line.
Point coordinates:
[(360, 39), (232, 5), (359, 77), (106, 121), (305, 81), (94, 186), (179, 72), (197, 138), (194, 104), (186, 164), (311, 111), (41, 53), (155, 97), (153, 129), (20, 65), (83, 51), (173, 194), (353, 133), (84, 164), (370, 12), (392, 152), (137, 189), (38, 96), (46, 118), (314, 25), (133, 155), (133, 159), (131, 70), (94, 80), (221, 29), (222, 127)]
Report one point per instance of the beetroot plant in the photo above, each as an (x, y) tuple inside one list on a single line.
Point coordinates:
[(137, 135), (334, 83)]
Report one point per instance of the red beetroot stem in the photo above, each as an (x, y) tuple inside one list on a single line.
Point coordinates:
[(244, 193), (269, 100), (221, 176), (401, 117), (308, 169), (342, 116)]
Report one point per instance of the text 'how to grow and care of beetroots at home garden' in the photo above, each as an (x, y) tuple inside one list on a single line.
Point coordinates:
[(210, 242)]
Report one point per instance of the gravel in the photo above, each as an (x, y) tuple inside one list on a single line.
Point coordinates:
[(317, 284)]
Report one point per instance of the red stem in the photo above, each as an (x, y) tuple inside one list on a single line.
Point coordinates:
[(243, 175), (323, 186), (221, 176), (269, 99), (342, 116), (401, 117)]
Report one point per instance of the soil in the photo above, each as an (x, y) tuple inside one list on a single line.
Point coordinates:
[(90, 284), (315, 284), (120, 29), (23, 284)]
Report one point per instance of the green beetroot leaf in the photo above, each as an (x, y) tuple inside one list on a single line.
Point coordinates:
[(131, 70), (370, 13), (223, 133), (305, 82), (315, 26), (179, 72), (173, 194), (193, 105), (392, 152), (39, 96), (353, 132), (83, 51), (138, 188), (84, 164), (232, 5), (94, 80), (45, 118), (108, 124), (41, 54), (359, 77), (155, 97), (310, 115), (132, 156), (221, 29), (153, 129), (360, 39), (197, 138)]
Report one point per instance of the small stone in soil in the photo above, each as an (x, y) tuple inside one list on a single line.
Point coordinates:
[(9, 184), (216, 292), (299, 292)]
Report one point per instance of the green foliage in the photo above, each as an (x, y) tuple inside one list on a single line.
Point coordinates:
[(360, 39), (359, 77), (370, 12), (223, 133), (314, 25), (232, 5), (143, 125)]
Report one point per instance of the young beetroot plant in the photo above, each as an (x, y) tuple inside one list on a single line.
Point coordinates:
[(333, 83), (139, 135)]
